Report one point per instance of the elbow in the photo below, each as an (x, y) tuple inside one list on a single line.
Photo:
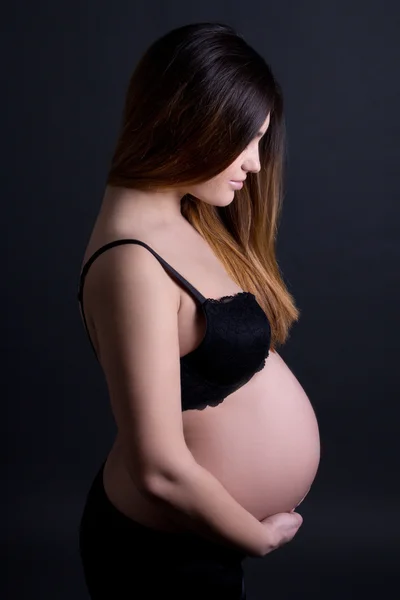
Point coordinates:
[(154, 475), (158, 482)]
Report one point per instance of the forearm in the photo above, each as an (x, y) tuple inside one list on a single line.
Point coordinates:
[(199, 502)]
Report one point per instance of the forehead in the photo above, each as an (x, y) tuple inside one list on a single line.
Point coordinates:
[(265, 125)]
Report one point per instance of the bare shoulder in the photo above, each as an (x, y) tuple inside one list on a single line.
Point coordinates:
[(127, 269)]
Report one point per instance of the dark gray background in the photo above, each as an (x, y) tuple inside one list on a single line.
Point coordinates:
[(65, 70)]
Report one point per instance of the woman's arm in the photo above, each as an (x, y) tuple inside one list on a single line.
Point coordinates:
[(134, 305)]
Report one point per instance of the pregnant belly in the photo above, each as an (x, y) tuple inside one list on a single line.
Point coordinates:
[(262, 443)]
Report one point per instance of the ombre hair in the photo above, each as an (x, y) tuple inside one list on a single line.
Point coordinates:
[(196, 99)]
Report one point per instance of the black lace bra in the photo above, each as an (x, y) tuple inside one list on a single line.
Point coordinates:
[(235, 345)]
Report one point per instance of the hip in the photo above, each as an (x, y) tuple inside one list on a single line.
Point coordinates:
[(120, 555)]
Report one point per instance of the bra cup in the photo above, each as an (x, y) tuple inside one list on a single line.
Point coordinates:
[(235, 346)]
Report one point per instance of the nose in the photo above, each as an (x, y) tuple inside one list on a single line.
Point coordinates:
[(257, 168), (253, 166), (252, 162)]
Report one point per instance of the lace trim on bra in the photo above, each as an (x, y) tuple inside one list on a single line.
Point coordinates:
[(223, 298)]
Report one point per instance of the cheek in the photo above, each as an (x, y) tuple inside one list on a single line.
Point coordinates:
[(211, 190), (224, 186), (215, 185)]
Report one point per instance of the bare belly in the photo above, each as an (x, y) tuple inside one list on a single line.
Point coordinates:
[(262, 443)]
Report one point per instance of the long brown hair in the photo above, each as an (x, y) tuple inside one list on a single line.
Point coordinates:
[(196, 99)]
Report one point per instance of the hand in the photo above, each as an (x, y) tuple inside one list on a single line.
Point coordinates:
[(280, 529)]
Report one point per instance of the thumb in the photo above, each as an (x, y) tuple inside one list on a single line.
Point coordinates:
[(299, 518)]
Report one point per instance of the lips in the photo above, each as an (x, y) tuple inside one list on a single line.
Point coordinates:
[(237, 185)]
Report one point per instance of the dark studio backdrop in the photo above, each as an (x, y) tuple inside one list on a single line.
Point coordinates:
[(64, 75)]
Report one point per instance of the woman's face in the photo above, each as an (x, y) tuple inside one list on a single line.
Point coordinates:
[(220, 191)]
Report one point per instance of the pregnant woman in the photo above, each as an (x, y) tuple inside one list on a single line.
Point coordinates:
[(184, 305)]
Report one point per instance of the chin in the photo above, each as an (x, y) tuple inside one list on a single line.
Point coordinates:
[(228, 198), (218, 201)]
